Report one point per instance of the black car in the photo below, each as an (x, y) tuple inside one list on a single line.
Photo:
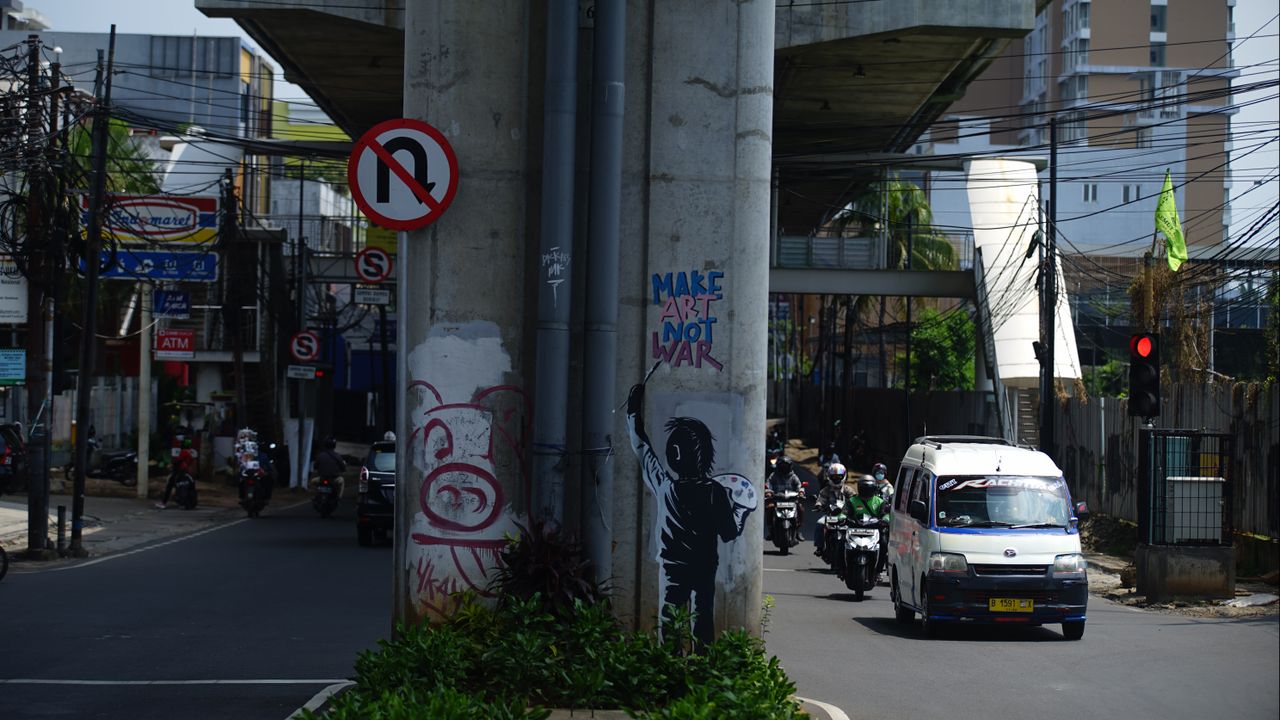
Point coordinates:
[(376, 504), (13, 458)]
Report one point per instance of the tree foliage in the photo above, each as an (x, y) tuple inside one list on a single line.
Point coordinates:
[(942, 351)]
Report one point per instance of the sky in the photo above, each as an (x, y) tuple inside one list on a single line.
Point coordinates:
[(148, 17), (179, 17)]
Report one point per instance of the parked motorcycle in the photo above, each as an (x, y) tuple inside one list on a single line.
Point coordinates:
[(118, 465), (784, 519), (184, 491), (833, 527), (325, 501), (864, 553)]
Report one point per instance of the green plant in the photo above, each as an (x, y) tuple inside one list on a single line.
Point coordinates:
[(501, 662), (766, 612), (942, 351), (546, 564)]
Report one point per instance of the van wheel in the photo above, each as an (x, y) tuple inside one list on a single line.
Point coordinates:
[(901, 613), (1073, 630)]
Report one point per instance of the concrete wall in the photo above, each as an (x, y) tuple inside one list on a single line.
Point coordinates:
[(695, 209), (1169, 571)]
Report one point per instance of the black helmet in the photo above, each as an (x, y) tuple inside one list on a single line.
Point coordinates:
[(880, 469), (330, 443), (784, 463), (867, 489)]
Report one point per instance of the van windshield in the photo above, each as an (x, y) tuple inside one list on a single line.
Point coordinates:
[(1002, 501)]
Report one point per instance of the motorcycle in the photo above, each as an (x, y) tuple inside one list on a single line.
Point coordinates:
[(325, 501), (864, 553), (254, 480), (184, 491), (785, 519), (118, 465), (833, 527)]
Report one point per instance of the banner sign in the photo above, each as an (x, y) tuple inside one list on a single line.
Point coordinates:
[(161, 265), (13, 293), (172, 304), (134, 219), (175, 344), (13, 366)]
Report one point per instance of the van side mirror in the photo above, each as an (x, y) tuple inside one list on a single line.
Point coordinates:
[(1082, 510), (919, 511)]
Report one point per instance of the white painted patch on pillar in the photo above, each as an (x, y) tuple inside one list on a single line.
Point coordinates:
[(468, 427)]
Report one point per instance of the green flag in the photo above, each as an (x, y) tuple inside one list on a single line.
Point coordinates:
[(1167, 222)]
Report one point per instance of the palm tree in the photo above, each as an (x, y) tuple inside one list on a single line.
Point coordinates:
[(899, 210)]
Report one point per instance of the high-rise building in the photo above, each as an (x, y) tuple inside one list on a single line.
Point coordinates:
[(1136, 87)]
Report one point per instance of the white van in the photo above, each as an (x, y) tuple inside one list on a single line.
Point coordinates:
[(985, 531)]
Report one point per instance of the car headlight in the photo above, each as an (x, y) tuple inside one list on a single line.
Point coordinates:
[(1070, 564), (944, 562)]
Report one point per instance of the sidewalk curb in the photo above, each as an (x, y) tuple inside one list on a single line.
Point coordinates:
[(820, 710), (1106, 563), (318, 701)]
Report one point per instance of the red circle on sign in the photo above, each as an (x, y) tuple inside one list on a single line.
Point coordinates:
[(304, 346), (368, 143), (373, 252)]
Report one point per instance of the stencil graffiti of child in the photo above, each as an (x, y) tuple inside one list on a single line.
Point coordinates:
[(694, 511)]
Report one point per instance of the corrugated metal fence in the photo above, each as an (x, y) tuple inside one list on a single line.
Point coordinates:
[(1098, 445)]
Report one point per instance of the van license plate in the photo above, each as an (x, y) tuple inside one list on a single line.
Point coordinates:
[(1010, 605)]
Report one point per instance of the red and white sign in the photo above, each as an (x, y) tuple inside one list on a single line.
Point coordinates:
[(403, 174), (373, 265), (175, 344), (304, 346)]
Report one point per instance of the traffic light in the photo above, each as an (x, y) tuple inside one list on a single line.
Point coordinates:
[(1144, 375)]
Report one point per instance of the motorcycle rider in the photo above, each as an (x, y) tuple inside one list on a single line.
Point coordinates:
[(184, 464), (880, 473), (782, 479), (329, 464), (870, 501), (832, 490)]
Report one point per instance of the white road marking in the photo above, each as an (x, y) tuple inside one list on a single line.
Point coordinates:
[(779, 569), (319, 698), (835, 712), (331, 682), (135, 551)]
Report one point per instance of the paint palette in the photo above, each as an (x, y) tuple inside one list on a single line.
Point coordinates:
[(741, 491)]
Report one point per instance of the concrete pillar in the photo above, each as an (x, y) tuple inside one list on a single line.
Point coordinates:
[(464, 413), (694, 285)]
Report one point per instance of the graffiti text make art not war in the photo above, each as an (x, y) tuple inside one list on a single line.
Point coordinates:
[(687, 319)]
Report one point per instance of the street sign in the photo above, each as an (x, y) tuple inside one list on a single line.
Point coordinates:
[(13, 366), (393, 194), (373, 265), (172, 304), (300, 372), (372, 296), (160, 265), (304, 346), (13, 292), (175, 344)]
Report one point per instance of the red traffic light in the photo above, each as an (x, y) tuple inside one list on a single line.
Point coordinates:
[(1141, 346)]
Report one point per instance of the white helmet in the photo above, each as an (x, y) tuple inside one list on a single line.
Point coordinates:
[(389, 436), (836, 473)]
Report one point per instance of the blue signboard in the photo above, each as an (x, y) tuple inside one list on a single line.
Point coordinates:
[(161, 265), (172, 304), (13, 366)]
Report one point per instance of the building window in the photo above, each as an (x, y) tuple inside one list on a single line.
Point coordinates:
[(1142, 137), (1091, 192), (1158, 15), (1157, 54)]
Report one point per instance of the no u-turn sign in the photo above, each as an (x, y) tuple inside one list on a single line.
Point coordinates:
[(403, 174)]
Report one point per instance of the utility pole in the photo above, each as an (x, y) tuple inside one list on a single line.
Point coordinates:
[(144, 390), (37, 290), (92, 261), (300, 275), (906, 382), (1049, 300), (230, 232), (388, 403)]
